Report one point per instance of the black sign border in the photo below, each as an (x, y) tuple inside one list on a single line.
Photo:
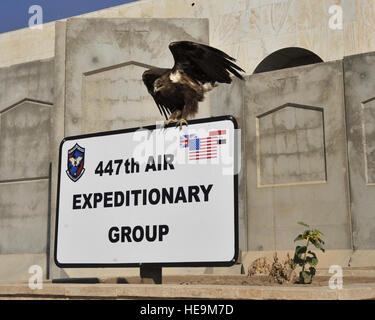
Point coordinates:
[(155, 264)]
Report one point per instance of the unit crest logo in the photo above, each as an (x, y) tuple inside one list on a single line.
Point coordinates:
[(76, 162)]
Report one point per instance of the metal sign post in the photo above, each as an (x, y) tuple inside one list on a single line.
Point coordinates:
[(150, 274)]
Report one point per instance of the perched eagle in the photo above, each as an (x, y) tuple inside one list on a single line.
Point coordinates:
[(197, 68)]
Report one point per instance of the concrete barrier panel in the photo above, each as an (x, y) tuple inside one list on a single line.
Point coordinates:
[(296, 156), (228, 100), (26, 96), (105, 59), (360, 108), (23, 221)]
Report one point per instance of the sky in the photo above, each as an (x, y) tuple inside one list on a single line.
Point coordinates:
[(14, 14)]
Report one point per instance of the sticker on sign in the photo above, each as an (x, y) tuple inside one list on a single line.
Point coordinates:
[(150, 195)]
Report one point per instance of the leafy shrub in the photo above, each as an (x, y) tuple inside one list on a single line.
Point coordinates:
[(304, 257)]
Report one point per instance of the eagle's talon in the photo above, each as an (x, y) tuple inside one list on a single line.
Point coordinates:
[(166, 122), (181, 122)]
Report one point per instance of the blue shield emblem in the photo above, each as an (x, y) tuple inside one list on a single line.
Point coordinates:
[(76, 162)]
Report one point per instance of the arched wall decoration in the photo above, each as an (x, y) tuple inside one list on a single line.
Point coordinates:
[(287, 58)]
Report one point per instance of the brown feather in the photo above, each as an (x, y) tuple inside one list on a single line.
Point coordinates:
[(181, 88)]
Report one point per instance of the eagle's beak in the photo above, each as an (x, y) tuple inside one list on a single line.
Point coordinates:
[(157, 87)]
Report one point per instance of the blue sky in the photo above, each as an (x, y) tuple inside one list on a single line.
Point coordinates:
[(14, 14)]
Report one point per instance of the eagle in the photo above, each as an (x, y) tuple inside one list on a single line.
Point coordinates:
[(197, 69), (75, 162)]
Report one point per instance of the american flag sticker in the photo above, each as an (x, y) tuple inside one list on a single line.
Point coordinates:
[(203, 147)]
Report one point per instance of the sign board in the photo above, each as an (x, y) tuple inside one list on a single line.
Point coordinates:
[(151, 195)]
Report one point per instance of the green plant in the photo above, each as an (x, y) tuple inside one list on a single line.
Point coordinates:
[(304, 257)]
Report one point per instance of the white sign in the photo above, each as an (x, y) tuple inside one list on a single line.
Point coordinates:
[(150, 195)]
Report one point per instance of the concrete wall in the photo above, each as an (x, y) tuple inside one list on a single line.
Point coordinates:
[(26, 95), (229, 99), (247, 29), (297, 166), (360, 108), (296, 151)]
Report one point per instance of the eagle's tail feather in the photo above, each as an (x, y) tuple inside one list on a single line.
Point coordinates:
[(162, 108)]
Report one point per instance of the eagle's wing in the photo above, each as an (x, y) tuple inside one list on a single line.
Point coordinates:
[(162, 108), (203, 63), (149, 78)]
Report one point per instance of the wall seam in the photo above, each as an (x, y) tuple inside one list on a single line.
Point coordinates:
[(349, 187)]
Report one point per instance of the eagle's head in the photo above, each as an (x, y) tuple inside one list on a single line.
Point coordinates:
[(150, 77), (158, 84)]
